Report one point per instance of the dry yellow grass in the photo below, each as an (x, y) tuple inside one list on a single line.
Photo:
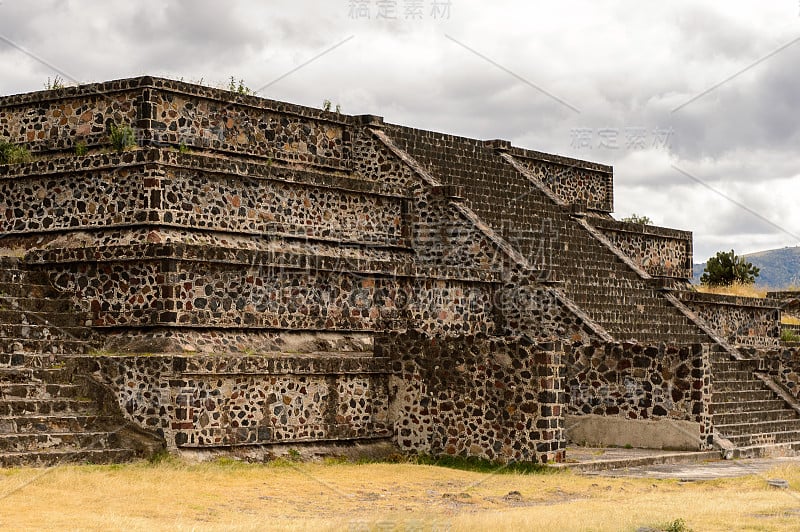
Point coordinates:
[(228, 497), (736, 289)]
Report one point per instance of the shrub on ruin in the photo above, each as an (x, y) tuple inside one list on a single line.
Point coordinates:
[(122, 138), (637, 219), (13, 154), (726, 268)]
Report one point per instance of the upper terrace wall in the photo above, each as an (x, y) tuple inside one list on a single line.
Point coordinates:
[(171, 113), (743, 321), (571, 180), (660, 251)]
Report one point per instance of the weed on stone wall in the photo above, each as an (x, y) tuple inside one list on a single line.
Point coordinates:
[(122, 138), (13, 154)]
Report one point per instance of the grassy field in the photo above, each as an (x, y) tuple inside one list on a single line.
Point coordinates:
[(175, 495)]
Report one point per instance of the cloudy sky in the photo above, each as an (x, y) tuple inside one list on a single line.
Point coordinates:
[(694, 103)]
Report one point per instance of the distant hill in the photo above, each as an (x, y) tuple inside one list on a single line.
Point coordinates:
[(780, 268)]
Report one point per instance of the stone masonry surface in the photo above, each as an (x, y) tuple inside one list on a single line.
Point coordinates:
[(257, 273)]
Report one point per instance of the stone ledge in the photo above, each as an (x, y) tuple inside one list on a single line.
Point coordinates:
[(642, 229), (717, 299)]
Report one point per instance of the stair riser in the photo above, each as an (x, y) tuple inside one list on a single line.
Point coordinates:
[(38, 391), (26, 290), (49, 319), (30, 360), (32, 375), (741, 397), (737, 386), (12, 274), (765, 439), (62, 442), (33, 331), (46, 459), (43, 408), (734, 365), (56, 346), (24, 304), (66, 423), (754, 417), (766, 427), (752, 406)]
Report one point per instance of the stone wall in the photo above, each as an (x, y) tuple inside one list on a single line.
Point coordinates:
[(659, 251), (742, 321), (571, 180), (783, 363), (172, 113), (638, 382), (492, 398), (163, 188), (212, 401)]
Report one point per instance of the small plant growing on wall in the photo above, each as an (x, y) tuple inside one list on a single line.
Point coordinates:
[(81, 149), (122, 138), (637, 219), (239, 87), (327, 105), (56, 83), (13, 154)]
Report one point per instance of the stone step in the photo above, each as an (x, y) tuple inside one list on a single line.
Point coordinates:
[(753, 416), (16, 274), (768, 438), (50, 319), (27, 375), (55, 423), (737, 386), (27, 290), (18, 331), (38, 391), (761, 427), (733, 365), (744, 397), (54, 345), (41, 407), (51, 458), (36, 304), (767, 450), (63, 441), (32, 360), (732, 375), (747, 406)]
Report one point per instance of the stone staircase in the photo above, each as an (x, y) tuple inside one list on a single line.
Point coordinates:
[(44, 418), (747, 413), (592, 276)]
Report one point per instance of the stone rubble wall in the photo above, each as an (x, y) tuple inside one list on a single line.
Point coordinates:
[(492, 398), (571, 180), (162, 188), (639, 382), (743, 321), (783, 363), (212, 401), (172, 113), (659, 251)]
